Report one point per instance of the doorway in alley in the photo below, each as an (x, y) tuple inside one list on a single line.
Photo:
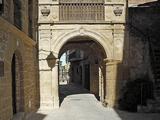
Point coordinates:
[(17, 84), (14, 85)]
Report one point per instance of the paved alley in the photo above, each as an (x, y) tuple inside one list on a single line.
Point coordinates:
[(84, 106)]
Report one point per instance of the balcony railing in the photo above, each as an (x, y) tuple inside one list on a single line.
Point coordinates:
[(82, 11)]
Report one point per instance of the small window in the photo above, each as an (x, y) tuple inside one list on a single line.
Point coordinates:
[(1, 6)]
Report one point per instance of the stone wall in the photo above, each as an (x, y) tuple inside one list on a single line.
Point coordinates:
[(138, 55), (143, 25), (24, 12), (13, 41)]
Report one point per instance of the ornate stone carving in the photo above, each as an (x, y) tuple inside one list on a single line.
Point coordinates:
[(118, 10), (45, 11), (54, 16), (82, 31)]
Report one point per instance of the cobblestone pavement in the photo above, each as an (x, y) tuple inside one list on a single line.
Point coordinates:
[(85, 106)]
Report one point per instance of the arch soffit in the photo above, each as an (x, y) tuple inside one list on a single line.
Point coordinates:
[(74, 46), (80, 47)]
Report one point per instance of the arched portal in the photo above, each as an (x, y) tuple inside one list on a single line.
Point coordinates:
[(99, 55), (17, 83), (104, 42), (85, 67), (53, 36)]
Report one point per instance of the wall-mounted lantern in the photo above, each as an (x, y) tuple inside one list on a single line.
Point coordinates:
[(51, 60), (118, 10), (45, 11)]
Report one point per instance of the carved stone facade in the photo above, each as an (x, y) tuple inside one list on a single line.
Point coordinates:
[(55, 33)]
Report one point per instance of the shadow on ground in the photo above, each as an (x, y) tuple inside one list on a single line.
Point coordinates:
[(124, 115), (29, 116), (37, 116)]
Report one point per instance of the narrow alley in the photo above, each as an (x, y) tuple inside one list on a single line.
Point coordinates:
[(78, 104)]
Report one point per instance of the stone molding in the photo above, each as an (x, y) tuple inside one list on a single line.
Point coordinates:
[(84, 32), (112, 61)]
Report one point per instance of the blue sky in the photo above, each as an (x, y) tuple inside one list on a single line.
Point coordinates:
[(63, 59)]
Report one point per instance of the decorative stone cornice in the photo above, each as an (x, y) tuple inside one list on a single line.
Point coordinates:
[(6, 26)]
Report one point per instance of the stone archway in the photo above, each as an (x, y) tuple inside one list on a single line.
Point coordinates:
[(55, 33), (17, 83), (97, 54), (49, 91), (90, 36), (81, 32)]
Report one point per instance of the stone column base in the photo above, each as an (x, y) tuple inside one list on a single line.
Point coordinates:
[(48, 105)]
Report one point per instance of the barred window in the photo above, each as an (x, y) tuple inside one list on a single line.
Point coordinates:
[(81, 11), (1, 6)]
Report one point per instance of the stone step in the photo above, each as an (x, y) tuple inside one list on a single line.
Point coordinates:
[(156, 71), (153, 106), (157, 95), (157, 77), (156, 53), (157, 98), (157, 86), (157, 91), (155, 42), (157, 66), (157, 57), (155, 62), (156, 46)]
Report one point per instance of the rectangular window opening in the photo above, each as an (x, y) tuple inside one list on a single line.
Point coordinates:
[(1, 6)]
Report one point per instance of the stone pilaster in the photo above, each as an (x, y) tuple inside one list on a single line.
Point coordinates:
[(112, 77), (55, 87)]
